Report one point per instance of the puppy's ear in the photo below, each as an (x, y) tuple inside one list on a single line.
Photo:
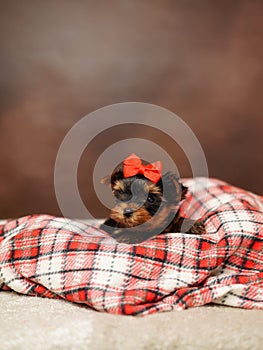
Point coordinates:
[(174, 190), (106, 180), (110, 179)]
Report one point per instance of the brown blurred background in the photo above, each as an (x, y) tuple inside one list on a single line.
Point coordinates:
[(60, 60)]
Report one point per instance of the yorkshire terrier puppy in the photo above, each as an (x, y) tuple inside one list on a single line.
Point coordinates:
[(146, 202)]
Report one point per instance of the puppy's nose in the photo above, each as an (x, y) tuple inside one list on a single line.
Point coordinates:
[(127, 212)]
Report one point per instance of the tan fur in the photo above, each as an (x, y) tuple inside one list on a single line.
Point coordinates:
[(152, 188), (118, 186), (155, 221)]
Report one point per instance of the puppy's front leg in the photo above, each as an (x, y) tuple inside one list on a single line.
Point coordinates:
[(181, 224), (121, 235), (195, 227), (109, 226)]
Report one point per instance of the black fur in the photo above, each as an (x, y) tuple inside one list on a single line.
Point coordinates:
[(168, 192)]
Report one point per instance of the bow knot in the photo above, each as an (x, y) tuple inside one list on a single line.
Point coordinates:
[(133, 166)]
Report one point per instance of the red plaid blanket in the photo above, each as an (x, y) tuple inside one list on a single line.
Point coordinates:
[(59, 258)]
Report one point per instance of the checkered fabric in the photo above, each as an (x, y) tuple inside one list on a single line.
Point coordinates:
[(41, 255)]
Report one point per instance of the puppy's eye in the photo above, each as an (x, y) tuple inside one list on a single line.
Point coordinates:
[(122, 196), (125, 197), (150, 199)]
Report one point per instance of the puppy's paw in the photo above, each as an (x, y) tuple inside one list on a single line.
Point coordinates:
[(122, 236), (198, 228)]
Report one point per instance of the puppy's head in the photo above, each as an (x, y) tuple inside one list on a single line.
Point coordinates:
[(138, 199)]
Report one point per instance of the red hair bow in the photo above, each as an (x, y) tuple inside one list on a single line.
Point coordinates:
[(133, 166)]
